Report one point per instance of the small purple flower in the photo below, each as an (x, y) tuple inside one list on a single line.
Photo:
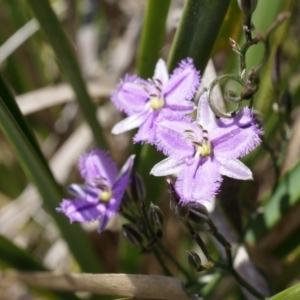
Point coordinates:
[(143, 100), (100, 196), (201, 151)]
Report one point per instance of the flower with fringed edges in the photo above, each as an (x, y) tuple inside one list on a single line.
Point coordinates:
[(201, 151), (143, 100), (100, 196)]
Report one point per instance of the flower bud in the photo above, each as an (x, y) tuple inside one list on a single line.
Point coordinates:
[(137, 188), (247, 6), (181, 212), (194, 260), (132, 235), (197, 217), (174, 197), (156, 219)]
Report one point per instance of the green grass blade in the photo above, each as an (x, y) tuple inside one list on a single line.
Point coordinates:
[(38, 171), (152, 38), (292, 293), (66, 56), (14, 109), (198, 31), (20, 259)]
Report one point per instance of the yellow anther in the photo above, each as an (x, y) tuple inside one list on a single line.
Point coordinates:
[(105, 196), (157, 103), (205, 149)]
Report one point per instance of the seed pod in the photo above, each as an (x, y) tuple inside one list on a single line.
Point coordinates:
[(137, 188)]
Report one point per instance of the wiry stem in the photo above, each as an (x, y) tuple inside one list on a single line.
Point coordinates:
[(226, 267)]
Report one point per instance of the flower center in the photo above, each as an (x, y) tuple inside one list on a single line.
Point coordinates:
[(105, 196), (157, 103), (204, 147)]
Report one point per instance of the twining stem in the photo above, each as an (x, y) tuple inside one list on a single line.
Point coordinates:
[(226, 267)]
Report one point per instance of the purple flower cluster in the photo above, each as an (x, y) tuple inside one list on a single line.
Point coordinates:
[(100, 196), (199, 151)]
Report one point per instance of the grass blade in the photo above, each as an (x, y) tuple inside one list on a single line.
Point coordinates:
[(21, 260), (152, 36), (198, 31), (66, 56), (37, 170)]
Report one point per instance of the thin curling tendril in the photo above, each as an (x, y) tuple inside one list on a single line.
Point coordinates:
[(229, 96)]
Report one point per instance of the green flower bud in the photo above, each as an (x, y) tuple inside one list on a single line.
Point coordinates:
[(137, 190), (247, 6), (194, 260), (132, 235), (156, 219)]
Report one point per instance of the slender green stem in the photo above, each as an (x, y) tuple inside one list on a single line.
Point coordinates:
[(239, 279), (161, 262), (226, 267), (173, 260), (196, 237)]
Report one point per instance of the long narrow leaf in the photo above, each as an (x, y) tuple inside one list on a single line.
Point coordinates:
[(152, 36), (38, 171), (292, 293), (198, 30), (21, 260), (66, 56)]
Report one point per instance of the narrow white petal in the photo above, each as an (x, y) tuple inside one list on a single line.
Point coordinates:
[(234, 168), (131, 122), (161, 71), (168, 166)]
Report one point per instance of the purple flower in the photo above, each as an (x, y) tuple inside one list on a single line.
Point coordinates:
[(201, 151), (100, 196), (144, 100)]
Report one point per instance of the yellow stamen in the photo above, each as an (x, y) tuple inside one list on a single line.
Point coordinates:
[(205, 149), (105, 196), (157, 103)]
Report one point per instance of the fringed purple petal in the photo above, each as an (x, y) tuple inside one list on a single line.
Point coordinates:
[(234, 168), (161, 72), (130, 95), (237, 136), (123, 178), (182, 85), (80, 210), (97, 165), (168, 166), (103, 220), (84, 192), (170, 139), (131, 122), (147, 131), (205, 116), (199, 180)]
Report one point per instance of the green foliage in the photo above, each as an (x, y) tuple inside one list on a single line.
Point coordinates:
[(262, 214)]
